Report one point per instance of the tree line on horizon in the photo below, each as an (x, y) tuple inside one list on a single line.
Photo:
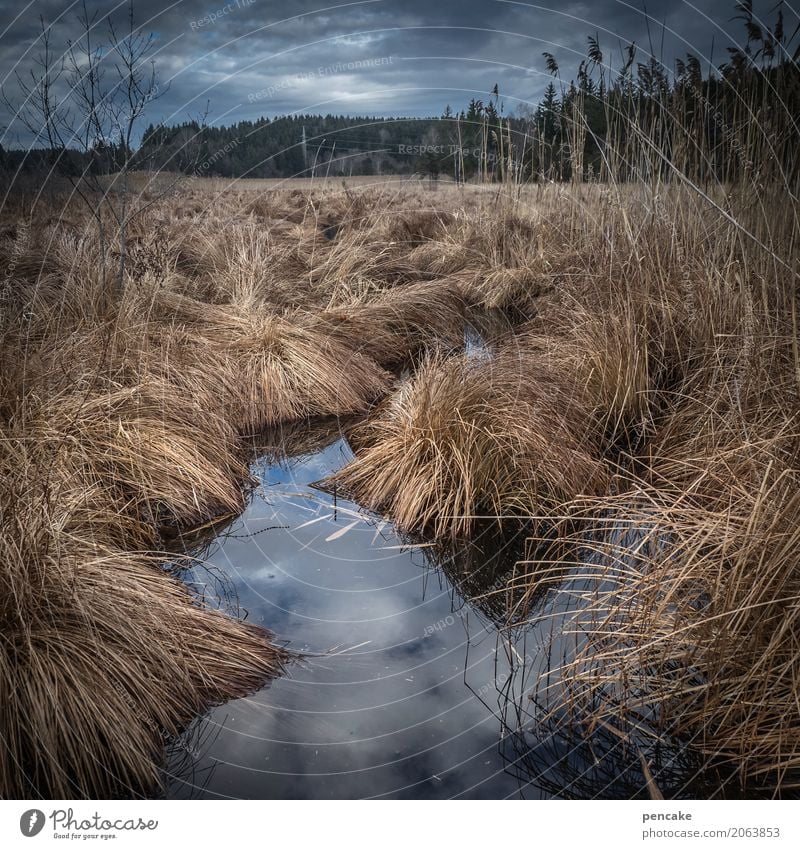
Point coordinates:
[(638, 121)]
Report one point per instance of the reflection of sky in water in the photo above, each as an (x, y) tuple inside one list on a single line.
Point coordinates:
[(406, 685), (400, 697)]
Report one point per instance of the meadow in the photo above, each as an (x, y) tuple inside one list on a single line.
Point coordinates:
[(635, 399)]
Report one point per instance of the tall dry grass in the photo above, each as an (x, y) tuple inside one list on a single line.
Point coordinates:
[(125, 419), (647, 411), (680, 616), (639, 402), (105, 656), (464, 437)]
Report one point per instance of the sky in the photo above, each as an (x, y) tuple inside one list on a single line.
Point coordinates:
[(242, 59)]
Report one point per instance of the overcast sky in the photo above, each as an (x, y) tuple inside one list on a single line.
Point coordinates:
[(377, 57)]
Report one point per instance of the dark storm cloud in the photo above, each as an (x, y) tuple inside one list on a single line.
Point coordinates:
[(254, 57)]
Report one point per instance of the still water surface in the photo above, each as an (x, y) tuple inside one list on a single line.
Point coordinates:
[(408, 684)]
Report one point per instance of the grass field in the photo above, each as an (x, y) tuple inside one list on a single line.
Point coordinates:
[(639, 382)]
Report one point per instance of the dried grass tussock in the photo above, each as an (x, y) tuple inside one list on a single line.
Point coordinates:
[(683, 615), (465, 437), (104, 654)]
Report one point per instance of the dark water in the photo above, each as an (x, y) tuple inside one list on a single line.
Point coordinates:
[(409, 687)]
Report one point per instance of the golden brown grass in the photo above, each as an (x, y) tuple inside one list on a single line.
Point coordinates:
[(122, 420), (645, 378), (687, 620), (104, 654), (467, 437)]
